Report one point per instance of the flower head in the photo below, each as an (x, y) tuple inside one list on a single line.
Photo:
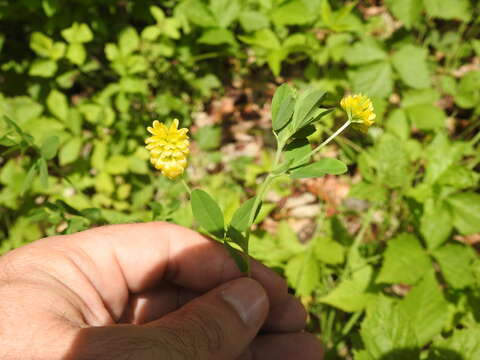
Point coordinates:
[(360, 110), (168, 148)]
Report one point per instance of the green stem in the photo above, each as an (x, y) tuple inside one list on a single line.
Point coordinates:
[(326, 142), (186, 186)]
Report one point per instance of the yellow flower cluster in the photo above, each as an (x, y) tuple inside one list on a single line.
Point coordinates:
[(168, 148), (360, 110)]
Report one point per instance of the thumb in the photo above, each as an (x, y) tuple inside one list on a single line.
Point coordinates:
[(217, 325)]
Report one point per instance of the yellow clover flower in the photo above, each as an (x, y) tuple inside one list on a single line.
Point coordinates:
[(168, 148), (360, 110)]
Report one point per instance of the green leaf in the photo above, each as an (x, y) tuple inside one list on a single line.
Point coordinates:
[(462, 345), (374, 79), (455, 261), (253, 20), (207, 212), (283, 103), (427, 309), (306, 108), (329, 251), (426, 117), (391, 161), (41, 44), (199, 14), (78, 34), (351, 294), (295, 151), (208, 137), (43, 171), (238, 257), (387, 332), (303, 273), (43, 67), (217, 37), (116, 165), (292, 13), (436, 223), (242, 214), (50, 7), (70, 151), (397, 124), (408, 11), (405, 261), (411, 64), (366, 51), (320, 168), (225, 11), (449, 9), (466, 212), (50, 147), (76, 53), (27, 182), (128, 40), (57, 104), (264, 38)]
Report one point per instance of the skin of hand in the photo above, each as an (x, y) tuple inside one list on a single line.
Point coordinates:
[(144, 291)]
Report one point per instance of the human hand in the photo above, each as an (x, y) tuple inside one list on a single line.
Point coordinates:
[(144, 291)]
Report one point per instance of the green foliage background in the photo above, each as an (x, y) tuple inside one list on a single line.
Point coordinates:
[(393, 274)]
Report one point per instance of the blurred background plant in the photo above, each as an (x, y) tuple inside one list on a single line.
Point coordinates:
[(385, 257)]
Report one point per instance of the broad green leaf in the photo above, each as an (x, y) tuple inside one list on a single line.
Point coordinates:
[(455, 261), (217, 37), (199, 14), (426, 308), (306, 107), (426, 117), (50, 147), (373, 80), (292, 13), (449, 9), (70, 151), (242, 214), (351, 294), (303, 273), (57, 104), (207, 212), (208, 137), (264, 38), (408, 11), (41, 44), (128, 41), (225, 11), (366, 51), (436, 223), (466, 212), (405, 261), (76, 53), (117, 164), (329, 251), (320, 168), (391, 161), (43, 68), (253, 20), (78, 34), (411, 64), (462, 345), (387, 332), (283, 103), (295, 151), (397, 124)]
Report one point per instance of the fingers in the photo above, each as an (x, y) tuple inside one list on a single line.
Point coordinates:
[(297, 346), (133, 258), (216, 325)]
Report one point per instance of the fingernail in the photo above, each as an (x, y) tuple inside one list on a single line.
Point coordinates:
[(248, 299)]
